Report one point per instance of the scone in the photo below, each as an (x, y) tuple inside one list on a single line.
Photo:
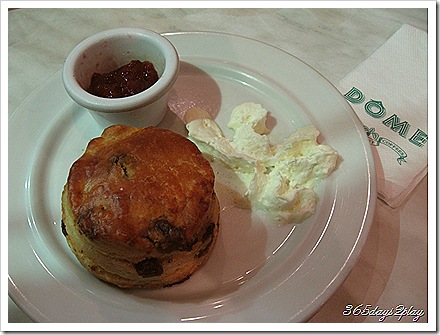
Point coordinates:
[(139, 207)]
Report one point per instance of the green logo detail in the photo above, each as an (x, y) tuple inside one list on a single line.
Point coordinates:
[(375, 108), (355, 96), (419, 138), (395, 125), (376, 140)]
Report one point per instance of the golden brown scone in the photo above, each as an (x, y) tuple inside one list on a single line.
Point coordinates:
[(139, 207)]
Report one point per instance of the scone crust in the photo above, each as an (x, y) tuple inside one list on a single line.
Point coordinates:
[(122, 270), (136, 194), (129, 179)]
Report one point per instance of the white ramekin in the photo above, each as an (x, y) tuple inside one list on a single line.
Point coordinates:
[(109, 50)]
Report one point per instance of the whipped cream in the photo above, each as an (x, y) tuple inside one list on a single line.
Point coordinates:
[(280, 178)]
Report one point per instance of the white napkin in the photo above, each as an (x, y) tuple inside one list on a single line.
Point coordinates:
[(389, 92)]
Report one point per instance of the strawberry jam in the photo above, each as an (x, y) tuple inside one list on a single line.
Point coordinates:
[(127, 80)]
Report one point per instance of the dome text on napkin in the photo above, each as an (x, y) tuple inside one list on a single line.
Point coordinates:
[(389, 93)]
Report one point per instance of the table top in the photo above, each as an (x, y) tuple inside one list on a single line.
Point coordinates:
[(392, 268)]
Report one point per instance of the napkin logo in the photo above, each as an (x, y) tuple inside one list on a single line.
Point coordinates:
[(377, 110), (375, 140), (355, 96)]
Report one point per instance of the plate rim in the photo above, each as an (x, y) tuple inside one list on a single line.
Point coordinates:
[(366, 221)]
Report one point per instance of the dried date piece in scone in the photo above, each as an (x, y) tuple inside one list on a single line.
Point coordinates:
[(139, 207)]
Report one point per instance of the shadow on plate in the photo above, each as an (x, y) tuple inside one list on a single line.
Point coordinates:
[(369, 277), (194, 88)]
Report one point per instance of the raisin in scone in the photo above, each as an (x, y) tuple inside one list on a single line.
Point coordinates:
[(139, 207)]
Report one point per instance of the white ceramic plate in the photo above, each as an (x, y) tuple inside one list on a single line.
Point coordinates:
[(259, 271)]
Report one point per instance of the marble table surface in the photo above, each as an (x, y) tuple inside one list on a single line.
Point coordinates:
[(392, 268)]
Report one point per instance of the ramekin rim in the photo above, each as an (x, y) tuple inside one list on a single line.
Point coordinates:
[(90, 101)]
